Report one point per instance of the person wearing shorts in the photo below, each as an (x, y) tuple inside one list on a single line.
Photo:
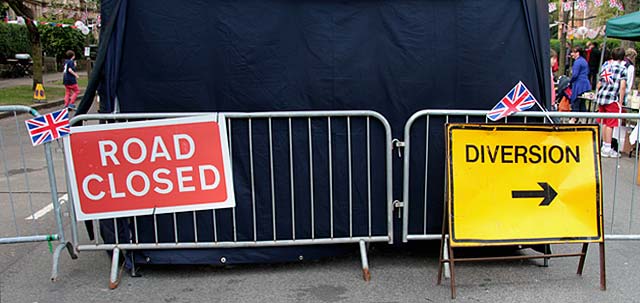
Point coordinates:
[(611, 89)]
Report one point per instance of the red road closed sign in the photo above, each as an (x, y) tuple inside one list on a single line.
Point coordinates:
[(147, 167)]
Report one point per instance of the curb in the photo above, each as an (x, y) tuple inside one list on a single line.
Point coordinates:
[(40, 106)]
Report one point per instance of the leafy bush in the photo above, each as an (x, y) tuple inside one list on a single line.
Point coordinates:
[(57, 40), (13, 40)]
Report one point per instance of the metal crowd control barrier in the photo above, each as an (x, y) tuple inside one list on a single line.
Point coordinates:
[(23, 192), (346, 129), (620, 175)]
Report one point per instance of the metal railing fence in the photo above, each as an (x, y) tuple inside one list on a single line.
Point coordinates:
[(28, 187), (287, 167), (424, 142)]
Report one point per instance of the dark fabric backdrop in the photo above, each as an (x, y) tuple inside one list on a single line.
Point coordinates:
[(393, 57)]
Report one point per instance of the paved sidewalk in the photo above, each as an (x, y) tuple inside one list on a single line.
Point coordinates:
[(10, 82)]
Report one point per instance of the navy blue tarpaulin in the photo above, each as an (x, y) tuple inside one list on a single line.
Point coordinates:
[(394, 57)]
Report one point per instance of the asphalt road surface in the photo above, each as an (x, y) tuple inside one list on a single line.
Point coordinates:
[(399, 274)]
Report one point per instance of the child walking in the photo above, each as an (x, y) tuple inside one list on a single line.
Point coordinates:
[(70, 80)]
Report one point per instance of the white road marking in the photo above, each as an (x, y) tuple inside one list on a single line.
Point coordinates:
[(43, 211)]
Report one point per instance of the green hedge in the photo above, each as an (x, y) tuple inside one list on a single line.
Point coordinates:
[(55, 40), (13, 40)]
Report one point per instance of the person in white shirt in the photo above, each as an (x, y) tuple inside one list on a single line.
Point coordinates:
[(630, 59)]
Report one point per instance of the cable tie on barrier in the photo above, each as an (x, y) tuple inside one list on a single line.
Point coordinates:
[(49, 238)]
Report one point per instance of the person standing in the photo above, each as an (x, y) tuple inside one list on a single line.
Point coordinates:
[(630, 59), (579, 81), (553, 60), (594, 63), (611, 87), (70, 80)]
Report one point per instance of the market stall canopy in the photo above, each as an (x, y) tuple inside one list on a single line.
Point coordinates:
[(625, 27)]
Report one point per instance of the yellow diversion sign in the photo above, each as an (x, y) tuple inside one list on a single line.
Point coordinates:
[(523, 184)]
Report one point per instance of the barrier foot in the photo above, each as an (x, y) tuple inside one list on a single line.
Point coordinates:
[(133, 272), (445, 252), (56, 256), (71, 250), (114, 279), (547, 250), (366, 275)]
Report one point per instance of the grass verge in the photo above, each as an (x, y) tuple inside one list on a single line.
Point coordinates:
[(23, 95)]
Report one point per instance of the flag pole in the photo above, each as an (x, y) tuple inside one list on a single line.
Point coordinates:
[(545, 112)]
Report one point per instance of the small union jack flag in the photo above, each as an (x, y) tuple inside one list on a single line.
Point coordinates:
[(597, 3), (48, 127), (607, 75), (519, 98)]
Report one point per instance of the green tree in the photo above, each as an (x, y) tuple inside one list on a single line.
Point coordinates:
[(14, 40), (57, 40), (34, 37)]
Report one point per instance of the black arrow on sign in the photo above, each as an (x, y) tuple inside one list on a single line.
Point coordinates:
[(547, 192)]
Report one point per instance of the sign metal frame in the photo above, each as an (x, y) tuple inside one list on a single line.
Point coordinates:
[(449, 241)]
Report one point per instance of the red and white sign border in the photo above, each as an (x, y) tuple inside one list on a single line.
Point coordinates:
[(228, 173)]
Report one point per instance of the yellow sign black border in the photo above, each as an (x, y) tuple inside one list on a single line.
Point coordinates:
[(524, 127)]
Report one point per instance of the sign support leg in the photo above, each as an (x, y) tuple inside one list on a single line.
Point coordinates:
[(453, 273), (447, 270), (443, 245), (583, 256), (603, 272)]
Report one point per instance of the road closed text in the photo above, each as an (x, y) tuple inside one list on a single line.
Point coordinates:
[(161, 180), (145, 167)]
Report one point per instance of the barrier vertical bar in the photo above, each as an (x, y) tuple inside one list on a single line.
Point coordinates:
[(195, 227), (54, 190), (426, 172), (369, 176), (6, 174), (291, 179), (253, 186), (72, 212), (175, 228), (273, 190), (96, 232), (233, 210), (311, 193), (350, 178), (155, 228), (135, 227), (330, 174), (26, 179)]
